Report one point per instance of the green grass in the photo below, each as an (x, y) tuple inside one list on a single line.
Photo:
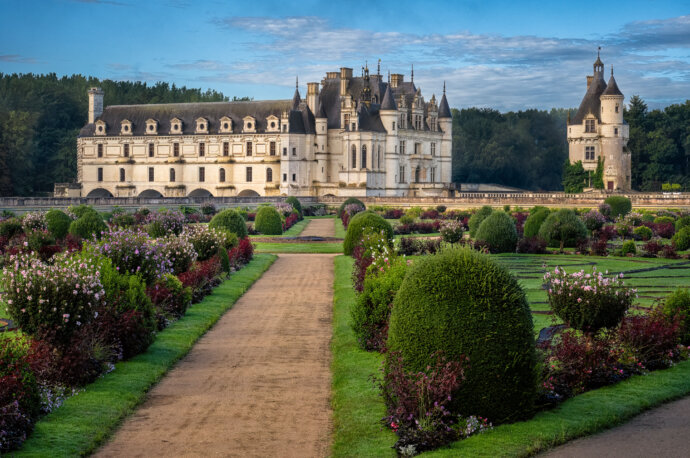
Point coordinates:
[(340, 230), (306, 247), (358, 408), (296, 229), (86, 420)]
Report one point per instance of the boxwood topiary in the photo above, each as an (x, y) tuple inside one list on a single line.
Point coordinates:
[(294, 201), (563, 228), (81, 210), (348, 201), (58, 223), (461, 302), (643, 233), (682, 222), (535, 220), (620, 206), (498, 231), (231, 221), (677, 305), (268, 221), (88, 225), (477, 218), (681, 239), (628, 247), (357, 225)]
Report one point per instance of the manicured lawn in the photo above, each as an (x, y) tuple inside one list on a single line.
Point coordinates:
[(306, 247), (340, 230), (87, 419), (358, 408), (296, 229)]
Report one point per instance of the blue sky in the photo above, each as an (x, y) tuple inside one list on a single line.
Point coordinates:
[(507, 55)]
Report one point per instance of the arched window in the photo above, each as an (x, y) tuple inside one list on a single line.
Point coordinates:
[(269, 174), (222, 175), (172, 174), (354, 156), (364, 156), (122, 174)]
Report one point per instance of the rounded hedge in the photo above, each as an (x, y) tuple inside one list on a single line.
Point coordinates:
[(643, 232), (462, 303), (681, 239), (536, 208), (11, 227), (620, 206), (58, 223), (477, 218), (81, 210), (357, 225), (498, 231), (348, 201), (294, 201), (535, 220), (664, 220), (677, 305), (229, 220), (682, 222), (268, 222), (563, 228), (628, 247), (88, 225)]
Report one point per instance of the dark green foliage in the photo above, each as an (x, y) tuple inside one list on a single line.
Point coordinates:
[(373, 307), (39, 239), (682, 239), (348, 201), (628, 247), (677, 304), (88, 225), (682, 222), (664, 220), (574, 177), (477, 218), (498, 231), (462, 303), (598, 177), (224, 259), (123, 220), (620, 206), (10, 227), (643, 232), (268, 221), (294, 201), (58, 223), (230, 240), (81, 210), (536, 208), (563, 229), (231, 221), (357, 225), (536, 217)]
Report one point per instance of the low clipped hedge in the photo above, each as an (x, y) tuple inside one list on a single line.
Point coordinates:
[(464, 304), (268, 221), (498, 231), (294, 201), (563, 228), (643, 233), (357, 225), (476, 219), (89, 225), (620, 206), (682, 238), (348, 201), (58, 223), (229, 220), (535, 220)]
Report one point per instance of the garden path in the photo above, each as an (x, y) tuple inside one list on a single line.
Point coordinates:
[(320, 227), (660, 432), (257, 384)]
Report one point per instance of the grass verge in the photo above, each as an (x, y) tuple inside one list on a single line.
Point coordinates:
[(86, 420), (340, 230), (296, 229), (358, 408), (306, 247)]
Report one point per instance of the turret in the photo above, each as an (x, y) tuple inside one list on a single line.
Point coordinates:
[(612, 103), (389, 112), (445, 124), (95, 104)]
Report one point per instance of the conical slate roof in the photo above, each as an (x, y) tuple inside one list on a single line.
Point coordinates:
[(591, 102), (321, 112), (443, 108), (388, 102), (296, 99), (612, 87)]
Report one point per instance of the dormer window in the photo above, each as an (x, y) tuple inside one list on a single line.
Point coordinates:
[(225, 124), (201, 126), (126, 127), (249, 124), (272, 124), (590, 125), (100, 127), (175, 126), (151, 127)]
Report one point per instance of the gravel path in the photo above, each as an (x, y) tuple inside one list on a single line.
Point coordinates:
[(660, 432), (257, 384), (321, 227)]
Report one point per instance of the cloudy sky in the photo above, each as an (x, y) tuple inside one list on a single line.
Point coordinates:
[(507, 55)]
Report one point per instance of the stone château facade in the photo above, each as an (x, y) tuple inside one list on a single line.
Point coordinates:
[(352, 136), (599, 131)]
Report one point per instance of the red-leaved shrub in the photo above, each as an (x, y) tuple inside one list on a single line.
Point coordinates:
[(652, 338), (359, 268)]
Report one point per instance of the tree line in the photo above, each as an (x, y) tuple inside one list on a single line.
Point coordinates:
[(40, 117)]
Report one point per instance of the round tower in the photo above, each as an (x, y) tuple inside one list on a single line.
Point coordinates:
[(614, 138)]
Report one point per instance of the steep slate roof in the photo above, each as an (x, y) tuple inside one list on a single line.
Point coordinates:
[(612, 87), (591, 102), (321, 112), (188, 113), (296, 99), (443, 108), (388, 102)]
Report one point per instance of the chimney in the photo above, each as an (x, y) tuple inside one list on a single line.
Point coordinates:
[(589, 80), (313, 96), (345, 75), (95, 103), (332, 75), (396, 79)]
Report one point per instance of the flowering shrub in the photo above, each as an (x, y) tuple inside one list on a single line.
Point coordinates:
[(588, 302), (208, 209), (179, 251), (290, 221), (134, 253), (242, 253), (394, 213), (652, 339), (594, 220), (164, 222), (605, 209), (202, 278), (451, 231), (283, 208), (418, 228), (60, 297), (374, 249), (34, 221), (409, 246), (204, 240), (349, 211), (171, 296)]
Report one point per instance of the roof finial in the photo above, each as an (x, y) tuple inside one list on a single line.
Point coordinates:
[(598, 51), (611, 69), (378, 68), (389, 77), (296, 82), (412, 74), (444, 87)]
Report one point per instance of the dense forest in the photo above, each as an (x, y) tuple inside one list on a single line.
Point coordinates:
[(40, 116)]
